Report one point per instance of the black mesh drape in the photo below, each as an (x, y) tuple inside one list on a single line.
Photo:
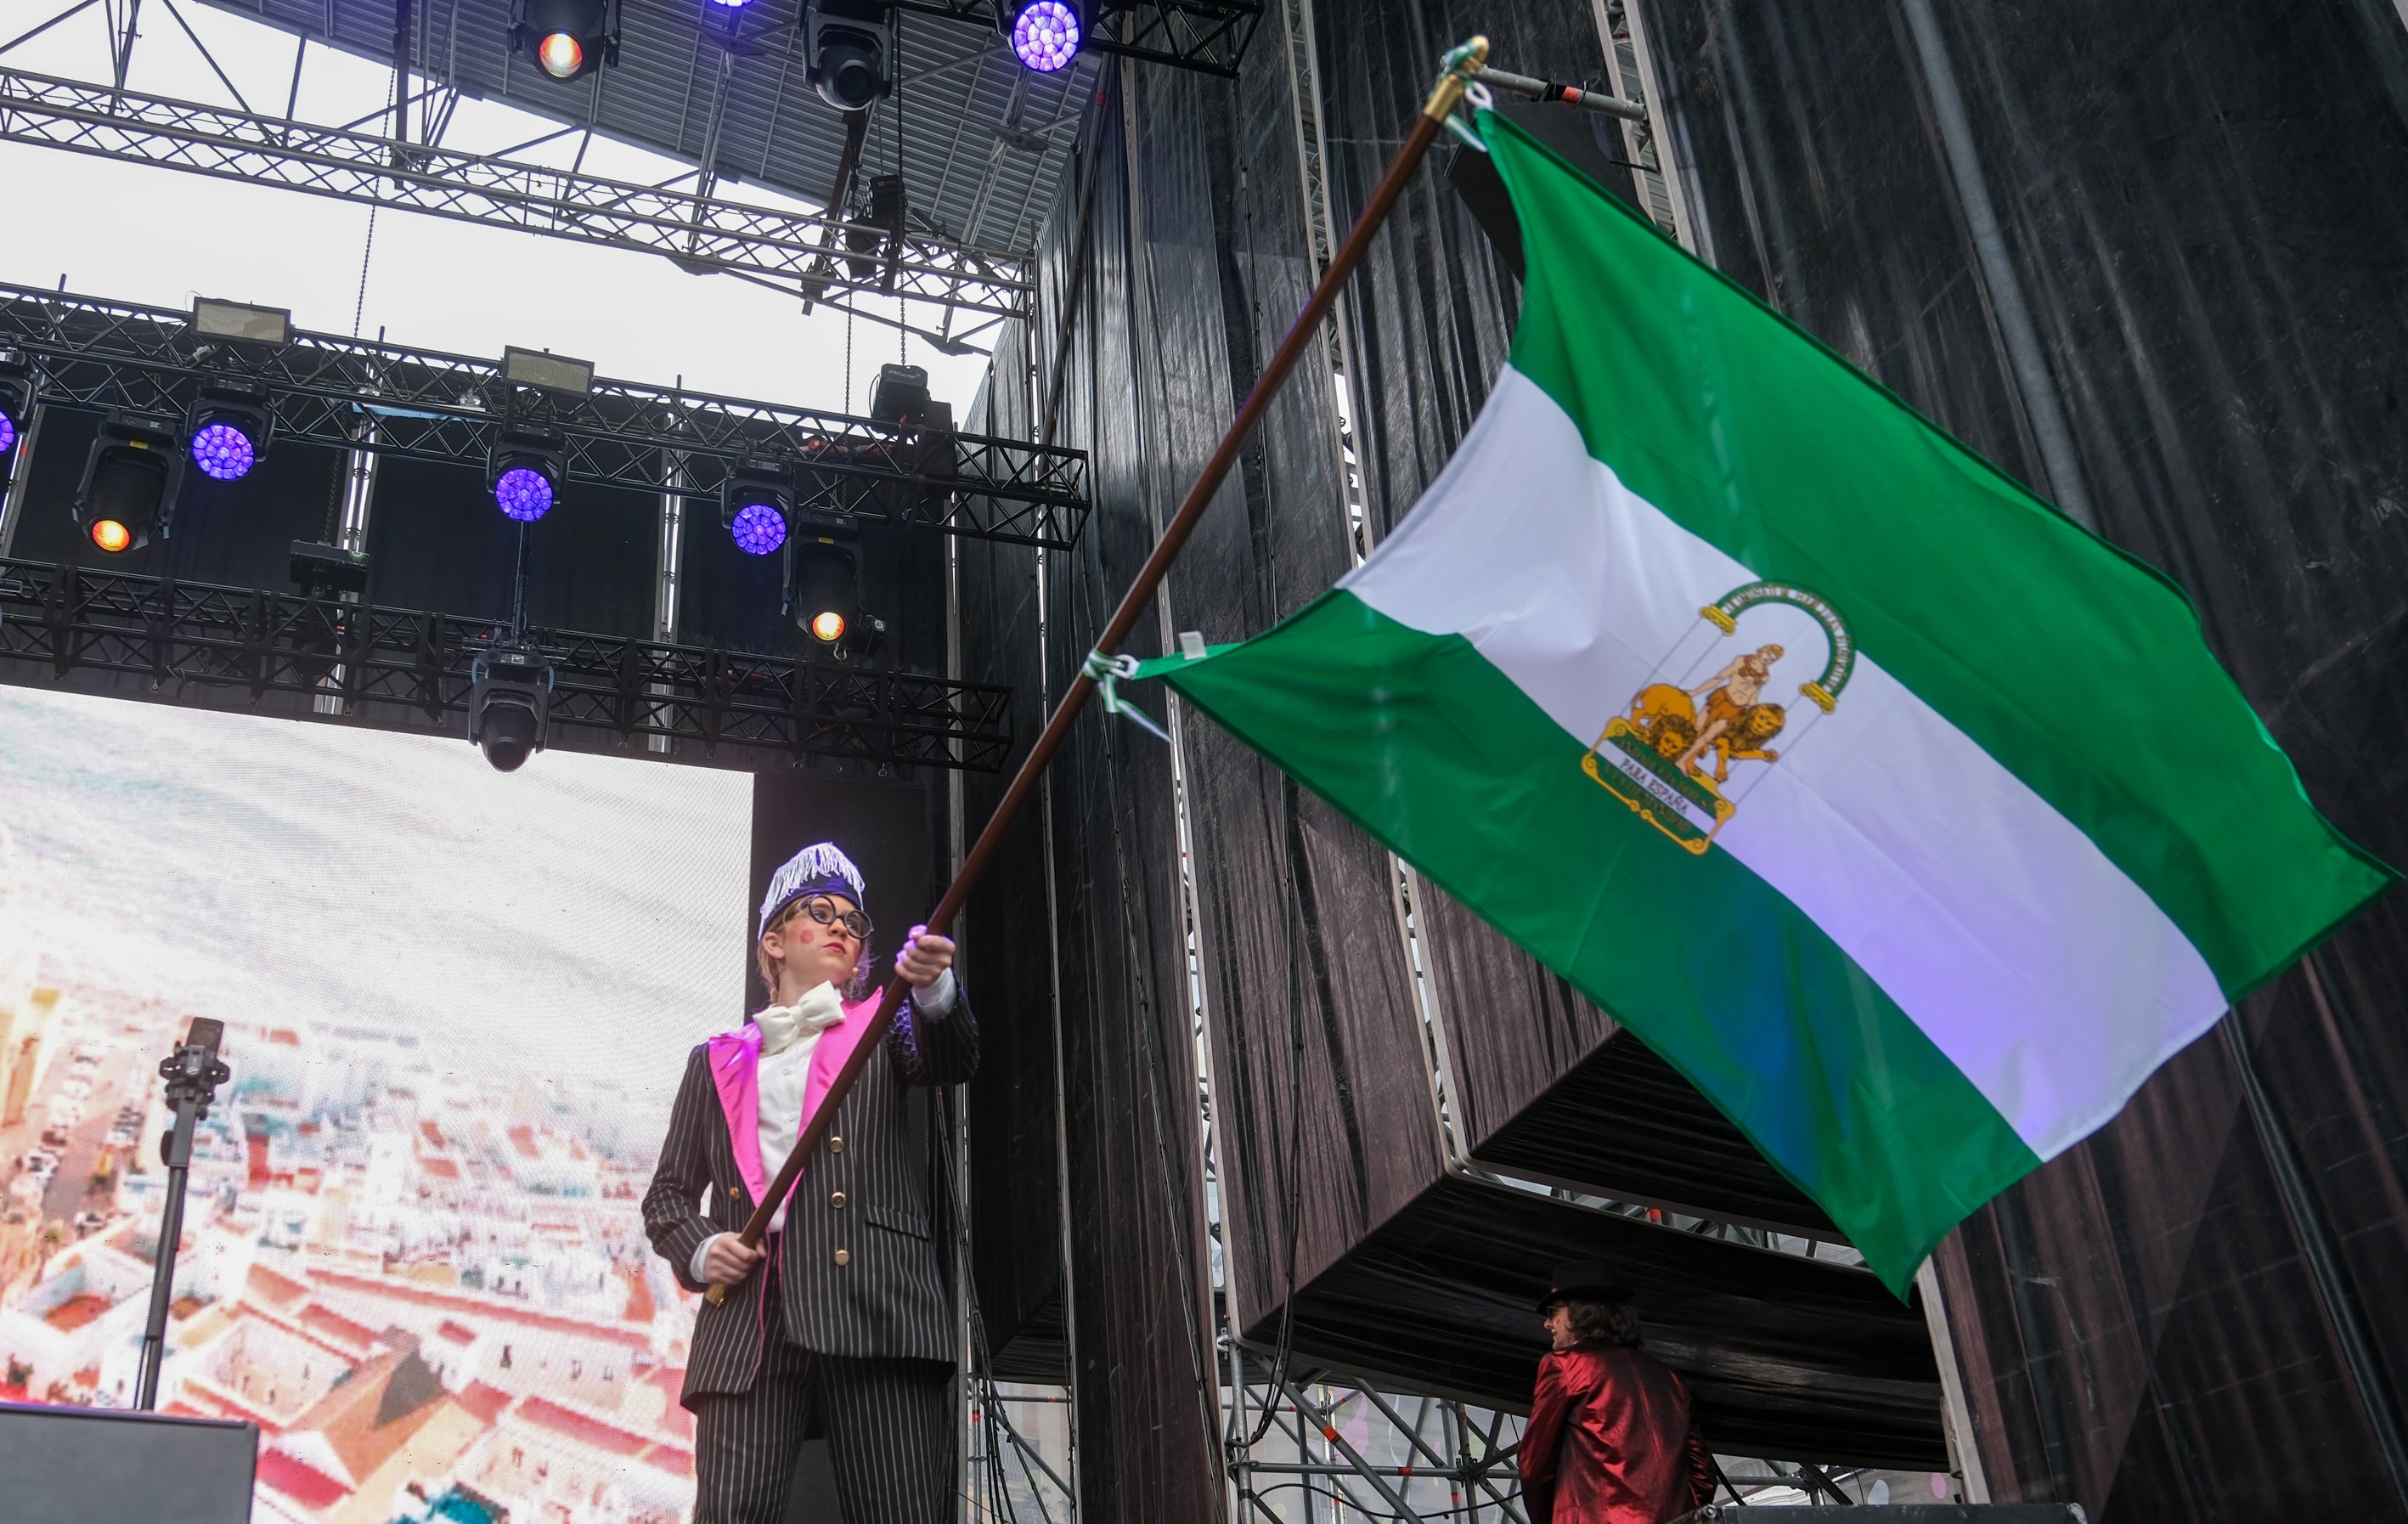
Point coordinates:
[(2195, 1314), (1135, 1311), (1173, 264)]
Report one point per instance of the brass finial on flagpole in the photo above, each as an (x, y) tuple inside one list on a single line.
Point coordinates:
[(1460, 66)]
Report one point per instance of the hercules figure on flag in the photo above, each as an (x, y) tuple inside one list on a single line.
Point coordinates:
[(1728, 709)]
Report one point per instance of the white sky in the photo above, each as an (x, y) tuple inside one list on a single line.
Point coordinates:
[(135, 233)]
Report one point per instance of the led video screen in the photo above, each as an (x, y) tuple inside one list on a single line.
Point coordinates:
[(456, 1005)]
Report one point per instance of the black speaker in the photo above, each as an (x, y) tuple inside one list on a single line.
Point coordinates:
[(1904, 1513), (80, 1465)]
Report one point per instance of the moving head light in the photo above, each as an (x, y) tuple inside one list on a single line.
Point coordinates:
[(509, 704), (846, 46), (128, 490)]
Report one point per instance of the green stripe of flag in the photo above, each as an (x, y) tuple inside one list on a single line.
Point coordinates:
[(1744, 995), (2079, 667)]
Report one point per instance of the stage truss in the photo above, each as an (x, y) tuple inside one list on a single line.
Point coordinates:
[(211, 647), (793, 251), (423, 405), (720, 91)]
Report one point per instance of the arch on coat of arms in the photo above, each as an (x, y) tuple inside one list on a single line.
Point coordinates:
[(1723, 614)]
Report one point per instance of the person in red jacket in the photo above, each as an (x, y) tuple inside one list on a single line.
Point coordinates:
[(1610, 1439)]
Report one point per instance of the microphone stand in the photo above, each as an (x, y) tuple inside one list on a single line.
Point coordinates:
[(193, 1073)]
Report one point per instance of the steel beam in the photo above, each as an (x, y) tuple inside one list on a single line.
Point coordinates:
[(431, 406)]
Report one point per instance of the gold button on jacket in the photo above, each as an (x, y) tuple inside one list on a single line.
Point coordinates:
[(836, 1146), (844, 1256), (836, 1201)]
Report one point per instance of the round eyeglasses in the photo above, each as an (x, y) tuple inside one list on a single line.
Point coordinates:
[(822, 909)]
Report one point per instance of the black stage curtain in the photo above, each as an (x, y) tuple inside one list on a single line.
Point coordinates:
[(2205, 205), (1173, 262), (1104, 946)]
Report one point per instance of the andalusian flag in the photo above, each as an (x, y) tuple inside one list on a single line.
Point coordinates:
[(1910, 821)]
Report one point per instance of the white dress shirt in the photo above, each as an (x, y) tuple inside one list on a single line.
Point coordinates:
[(789, 1034)]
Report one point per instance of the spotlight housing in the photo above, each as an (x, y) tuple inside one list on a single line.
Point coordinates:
[(128, 491), (899, 395), (16, 403), (822, 576), (509, 703), (1046, 34), (569, 38), (228, 428), (757, 503), (846, 48), (525, 470)]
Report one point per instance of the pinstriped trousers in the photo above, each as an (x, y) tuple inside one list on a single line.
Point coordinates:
[(889, 1425)]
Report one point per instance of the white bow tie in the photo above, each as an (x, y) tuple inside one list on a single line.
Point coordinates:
[(783, 1026)]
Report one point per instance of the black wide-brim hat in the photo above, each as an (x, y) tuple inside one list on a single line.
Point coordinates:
[(1585, 1280)]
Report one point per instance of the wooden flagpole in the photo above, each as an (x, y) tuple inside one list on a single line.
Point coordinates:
[(1462, 64)]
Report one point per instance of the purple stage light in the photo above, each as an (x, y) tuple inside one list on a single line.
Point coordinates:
[(759, 528), (1046, 35), (524, 494), (223, 452), (7, 434)]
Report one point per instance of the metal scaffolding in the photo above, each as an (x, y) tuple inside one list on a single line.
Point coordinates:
[(802, 253), (214, 647), (423, 405), (685, 90)]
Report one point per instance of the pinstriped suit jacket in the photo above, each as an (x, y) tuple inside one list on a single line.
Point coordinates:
[(890, 1296)]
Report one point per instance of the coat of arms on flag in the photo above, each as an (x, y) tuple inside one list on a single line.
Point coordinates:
[(1654, 757)]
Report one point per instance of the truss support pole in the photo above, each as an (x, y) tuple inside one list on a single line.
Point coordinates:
[(1621, 28), (401, 37), (124, 43), (2027, 356), (351, 533), (1412, 1433), (668, 573), (1956, 1412), (1314, 1415)]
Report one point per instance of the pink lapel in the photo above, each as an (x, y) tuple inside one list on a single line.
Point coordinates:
[(735, 1067), (835, 1045)]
